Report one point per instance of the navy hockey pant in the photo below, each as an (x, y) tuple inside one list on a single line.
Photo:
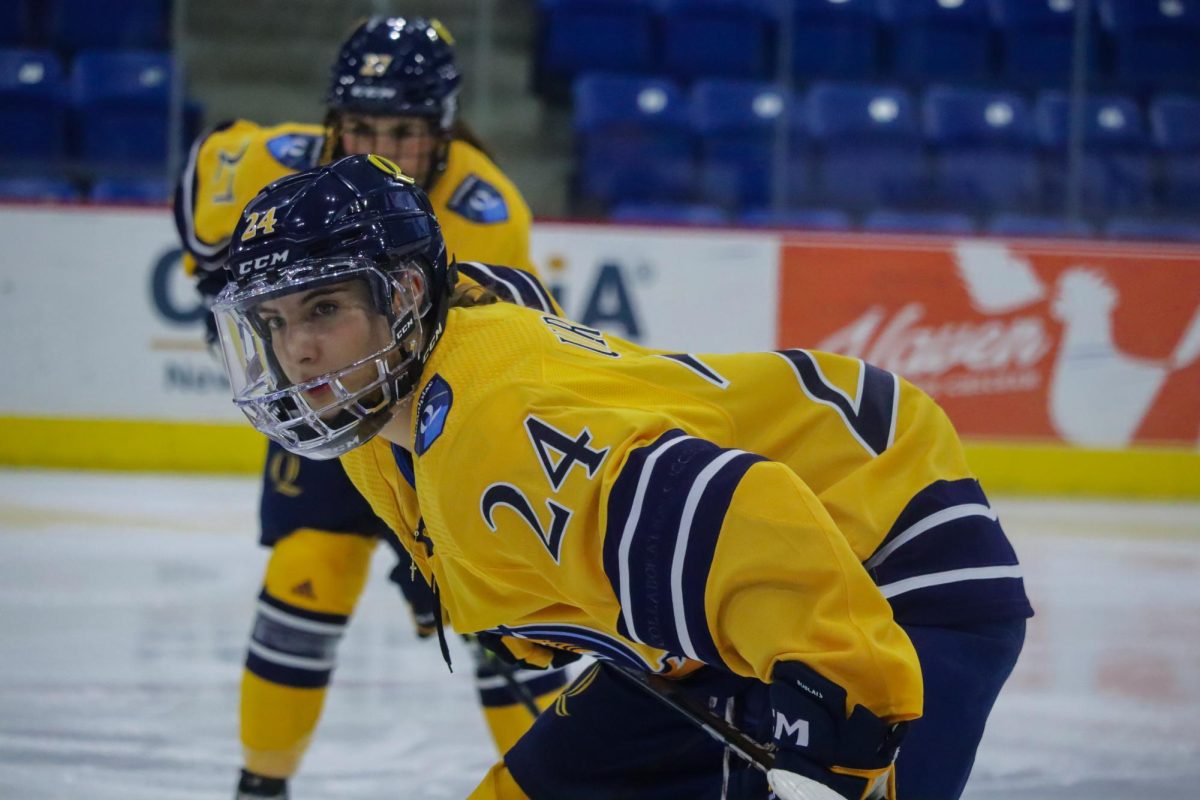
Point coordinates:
[(608, 740)]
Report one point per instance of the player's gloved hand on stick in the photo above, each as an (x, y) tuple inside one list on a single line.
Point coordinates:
[(822, 755), (257, 787)]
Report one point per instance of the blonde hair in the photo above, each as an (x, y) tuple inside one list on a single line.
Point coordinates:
[(470, 295)]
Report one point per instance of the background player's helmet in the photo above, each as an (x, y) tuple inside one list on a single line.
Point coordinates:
[(353, 246), (396, 66)]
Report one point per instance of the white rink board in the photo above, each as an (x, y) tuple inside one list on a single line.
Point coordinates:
[(689, 290), (99, 321), (82, 326)]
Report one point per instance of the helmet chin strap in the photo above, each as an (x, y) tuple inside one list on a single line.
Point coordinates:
[(431, 329)]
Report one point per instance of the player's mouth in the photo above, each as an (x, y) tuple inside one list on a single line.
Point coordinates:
[(320, 393)]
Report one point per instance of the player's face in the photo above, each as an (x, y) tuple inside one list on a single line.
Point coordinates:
[(411, 142), (325, 329)]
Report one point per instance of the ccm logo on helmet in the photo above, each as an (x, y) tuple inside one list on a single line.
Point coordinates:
[(373, 92), (262, 262)]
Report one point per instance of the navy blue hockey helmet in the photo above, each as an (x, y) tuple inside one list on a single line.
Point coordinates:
[(337, 292), (402, 66)]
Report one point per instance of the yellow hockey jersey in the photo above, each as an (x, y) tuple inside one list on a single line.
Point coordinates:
[(661, 509), (483, 216)]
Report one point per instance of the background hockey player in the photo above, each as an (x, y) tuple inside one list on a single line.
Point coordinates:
[(394, 91), (795, 537)]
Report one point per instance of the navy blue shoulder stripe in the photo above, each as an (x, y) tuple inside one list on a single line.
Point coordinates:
[(946, 560), (665, 513), (871, 415), (699, 367), (514, 285)]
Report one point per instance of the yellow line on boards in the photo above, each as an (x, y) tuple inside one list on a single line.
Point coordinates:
[(131, 445), (1144, 472), (1003, 467)]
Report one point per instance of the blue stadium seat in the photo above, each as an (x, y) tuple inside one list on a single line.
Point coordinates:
[(130, 190), (640, 112), (984, 149), (1157, 42), (938, 39), (38, 190), (685, 214), (1117, 169), (888, 221), (32, 105), (634, 140), (868, 143), (580, 36), (812, 219), (1031, 225), (737, 123), (1036, 41), (715, 39), (122, 99), (81, 24), (16, 23), (1152, 229), (1175, 122), (835, 38)]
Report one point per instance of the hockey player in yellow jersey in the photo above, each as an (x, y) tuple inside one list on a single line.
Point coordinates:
[(394, 90), (794, 538)]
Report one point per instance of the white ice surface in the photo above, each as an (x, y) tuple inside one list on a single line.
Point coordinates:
[(125, 601)]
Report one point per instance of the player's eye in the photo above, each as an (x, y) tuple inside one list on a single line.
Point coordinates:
[(272, 323), (324, 309)]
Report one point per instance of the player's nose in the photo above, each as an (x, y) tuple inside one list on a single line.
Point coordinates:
[(303, 345)]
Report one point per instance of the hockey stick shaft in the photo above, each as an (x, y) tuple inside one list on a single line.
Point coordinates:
[(519, 690), (753, 751), (507, 672)]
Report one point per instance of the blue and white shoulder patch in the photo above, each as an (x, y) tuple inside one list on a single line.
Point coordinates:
[(432, 410), (478, 201), (296, 151)]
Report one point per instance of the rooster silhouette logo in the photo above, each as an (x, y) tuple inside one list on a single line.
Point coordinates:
[(1099, 395)]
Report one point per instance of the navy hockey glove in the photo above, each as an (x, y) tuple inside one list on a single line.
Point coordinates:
[(822, 755), (259, 787)]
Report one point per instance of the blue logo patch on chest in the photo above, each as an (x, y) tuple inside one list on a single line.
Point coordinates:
[(296, 150), (432, 410), (478, 201)]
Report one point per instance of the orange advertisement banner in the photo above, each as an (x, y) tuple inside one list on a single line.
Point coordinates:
[(1094, 345)]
